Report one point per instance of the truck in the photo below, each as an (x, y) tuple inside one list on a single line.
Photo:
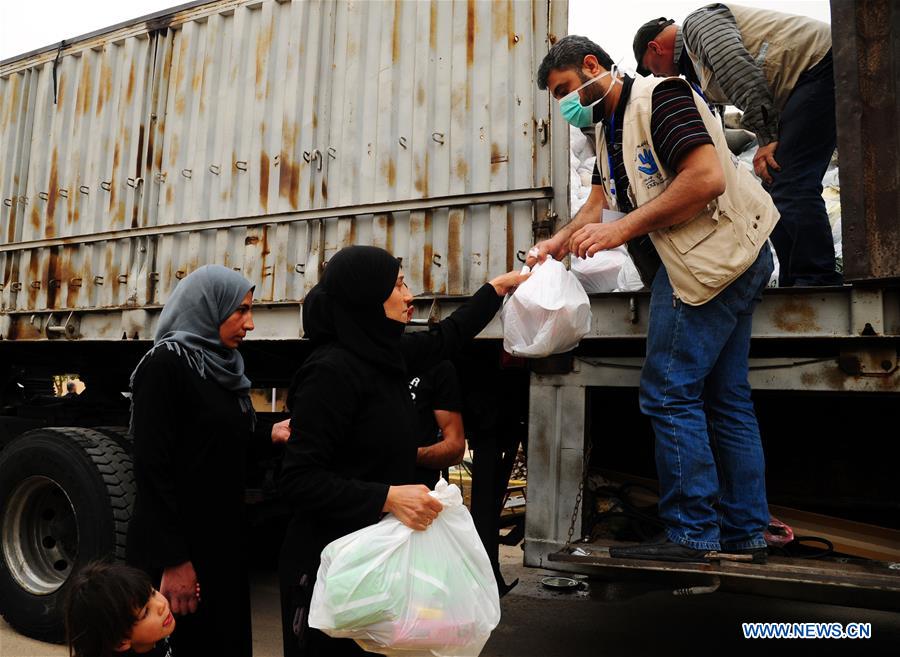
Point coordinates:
[(265, 135)]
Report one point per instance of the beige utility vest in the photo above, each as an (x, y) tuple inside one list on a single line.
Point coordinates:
[(704, 254), (783, 45)]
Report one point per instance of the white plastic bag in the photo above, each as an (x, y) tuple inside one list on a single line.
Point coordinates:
[(548, 314), (600, 272), (397, 591)]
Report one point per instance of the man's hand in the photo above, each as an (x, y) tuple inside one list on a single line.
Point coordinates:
[(555, 246), (765, 160), (281, 431), (179, 585), (592, 238), (412, 505)]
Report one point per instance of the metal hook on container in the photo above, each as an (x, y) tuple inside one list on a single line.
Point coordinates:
[(240, 165), (438, 137), (403, 142)]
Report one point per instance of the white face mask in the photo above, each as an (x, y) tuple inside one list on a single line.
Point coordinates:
[(582, 116)]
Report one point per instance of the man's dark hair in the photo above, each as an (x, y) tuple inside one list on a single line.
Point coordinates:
[(569, 53), (102, 606)]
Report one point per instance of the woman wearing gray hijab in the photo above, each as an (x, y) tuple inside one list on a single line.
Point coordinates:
[(194, 429)]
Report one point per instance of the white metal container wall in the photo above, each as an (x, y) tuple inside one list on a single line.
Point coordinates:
[(248, 116)]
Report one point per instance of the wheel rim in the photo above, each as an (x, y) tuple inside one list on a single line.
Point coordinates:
[(40, 535)]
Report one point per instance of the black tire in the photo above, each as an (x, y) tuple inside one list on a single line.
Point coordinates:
[(66, 496), (120, 435)]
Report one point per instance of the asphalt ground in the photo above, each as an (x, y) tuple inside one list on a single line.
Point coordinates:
[(600, 619)]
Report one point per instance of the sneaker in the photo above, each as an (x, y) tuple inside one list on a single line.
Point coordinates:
[(663, 550)]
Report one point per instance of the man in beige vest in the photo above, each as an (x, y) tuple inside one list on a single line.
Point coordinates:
[(665, 171), (777, 68)]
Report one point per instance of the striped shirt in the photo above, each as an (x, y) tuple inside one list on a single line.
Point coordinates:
[(676, 128), (711, 34)]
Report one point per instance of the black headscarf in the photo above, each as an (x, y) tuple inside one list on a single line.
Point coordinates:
[(347, 306)]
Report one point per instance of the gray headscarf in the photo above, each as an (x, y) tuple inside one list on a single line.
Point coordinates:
[(189, 326)]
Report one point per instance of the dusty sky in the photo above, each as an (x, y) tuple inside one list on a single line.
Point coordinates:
[(26, 25)]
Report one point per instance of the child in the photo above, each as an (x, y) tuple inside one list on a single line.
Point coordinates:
[(113, 610)]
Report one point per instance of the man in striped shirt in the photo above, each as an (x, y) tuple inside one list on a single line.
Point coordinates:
[(777, 68)]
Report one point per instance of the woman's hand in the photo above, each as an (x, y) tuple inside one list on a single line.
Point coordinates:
[(179, 585), (412, 505), (281, 431), (506, 283)]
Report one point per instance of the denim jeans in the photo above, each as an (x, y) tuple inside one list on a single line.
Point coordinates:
[(806, 140), (695, 390)]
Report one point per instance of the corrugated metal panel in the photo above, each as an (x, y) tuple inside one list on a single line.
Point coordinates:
[(234, 113)]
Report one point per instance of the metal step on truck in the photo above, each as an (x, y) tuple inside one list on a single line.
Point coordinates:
[(265, 135)]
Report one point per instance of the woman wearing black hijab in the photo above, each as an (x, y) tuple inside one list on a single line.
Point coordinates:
[(194, 427), (351, 456)]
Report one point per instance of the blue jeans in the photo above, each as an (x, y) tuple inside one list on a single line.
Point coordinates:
[(695, 390), (806, 140)]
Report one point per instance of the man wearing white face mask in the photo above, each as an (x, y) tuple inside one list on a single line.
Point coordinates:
[(665, 168)]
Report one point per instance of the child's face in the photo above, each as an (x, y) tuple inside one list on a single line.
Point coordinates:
[(153, 623)]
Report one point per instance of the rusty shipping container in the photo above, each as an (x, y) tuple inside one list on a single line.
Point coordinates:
[(266, 136)]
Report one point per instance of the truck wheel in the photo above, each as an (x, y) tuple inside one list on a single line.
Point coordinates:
[(119, 434), (65, 500)]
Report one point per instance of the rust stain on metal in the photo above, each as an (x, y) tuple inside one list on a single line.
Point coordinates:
[(432, 24), (497, 158), (429, 253), (264, 180), (35, 221), (105, 90), (67, 275), (420, 95), (499, 19), (33, 275), (53, 191), (315, 120), (263, 43), (395, 33), (471, 32), (461, 168), (454, 248), (795, 316), (421, 181), (170, 195), (389, 171), (83, 99), (129, 90), (54, 276), (324, 189), (60, 90)]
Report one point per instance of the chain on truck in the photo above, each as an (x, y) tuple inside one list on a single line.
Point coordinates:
[(203, 134)]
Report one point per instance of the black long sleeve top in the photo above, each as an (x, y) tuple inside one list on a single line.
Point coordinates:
[(191, 447), (353, 432)]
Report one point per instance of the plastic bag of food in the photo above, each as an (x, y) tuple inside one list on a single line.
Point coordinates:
[(548, 314), (397, 591)]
